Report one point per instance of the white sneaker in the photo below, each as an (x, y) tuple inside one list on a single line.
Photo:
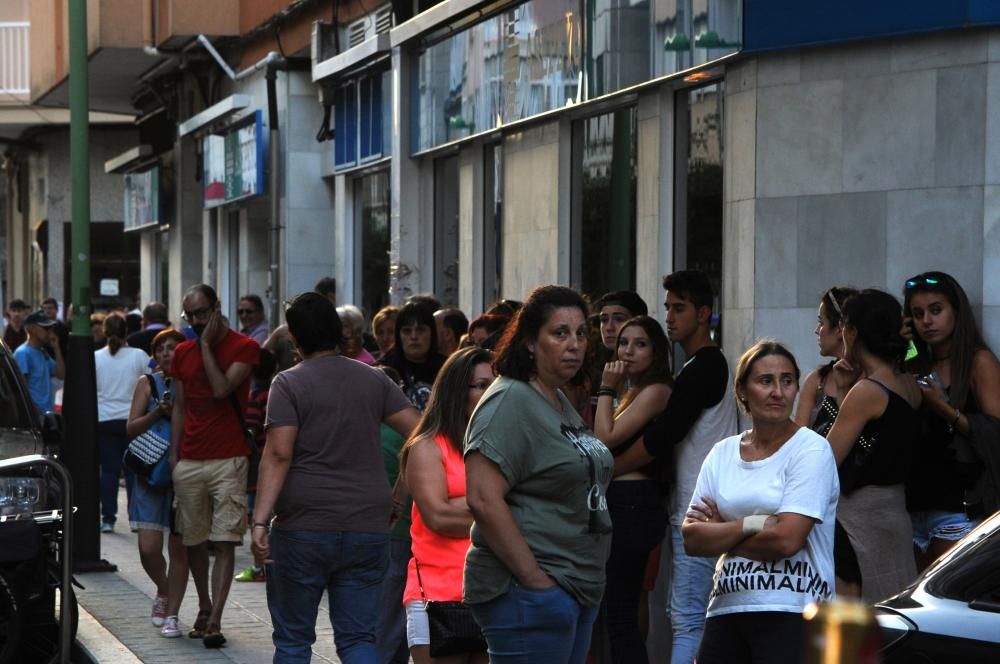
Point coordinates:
[(159, 612), (170, 629)]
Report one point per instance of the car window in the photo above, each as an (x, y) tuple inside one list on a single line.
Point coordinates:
[(13, 409), (973, 575)]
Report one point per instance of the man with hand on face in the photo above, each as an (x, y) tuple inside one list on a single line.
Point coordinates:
[(701, 412), (36, 365), (208, 448)]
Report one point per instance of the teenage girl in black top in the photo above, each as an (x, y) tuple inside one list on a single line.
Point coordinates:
[(960, 376), (636, 498)]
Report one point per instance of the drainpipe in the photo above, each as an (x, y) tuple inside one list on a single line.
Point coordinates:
[(272, 63)]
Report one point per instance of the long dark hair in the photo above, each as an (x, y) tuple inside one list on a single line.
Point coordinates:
[(445, 413), (966, 340), (659, 370), (115, 329), (513, 358), (412, 312), (878, 319)]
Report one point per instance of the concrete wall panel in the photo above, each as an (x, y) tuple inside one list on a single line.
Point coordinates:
[(842, 240), (889, 130), (776, 252), (940, 49), (991, 247), (799, 139), (836, 63), (936, 229), (960, 135)]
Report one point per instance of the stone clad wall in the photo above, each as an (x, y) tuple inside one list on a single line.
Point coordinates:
[(860, 165)]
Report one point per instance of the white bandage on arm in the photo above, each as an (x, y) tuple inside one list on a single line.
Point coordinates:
[(754, 524)]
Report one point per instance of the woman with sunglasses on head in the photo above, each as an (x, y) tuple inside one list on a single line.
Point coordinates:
[(536, 478), (960, 379), (431, 463), (872, 440), (826, 386), (636, 498)]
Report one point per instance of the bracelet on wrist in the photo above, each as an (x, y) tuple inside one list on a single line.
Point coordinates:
[(606, 393), (262, 525)]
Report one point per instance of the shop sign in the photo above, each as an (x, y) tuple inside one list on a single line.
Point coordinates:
[(233, 162), (142, 199)]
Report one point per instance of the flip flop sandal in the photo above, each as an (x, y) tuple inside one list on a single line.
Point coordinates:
[(213, 637), (200, 624)]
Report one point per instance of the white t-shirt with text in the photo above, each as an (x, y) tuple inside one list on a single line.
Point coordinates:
[(801, 477)]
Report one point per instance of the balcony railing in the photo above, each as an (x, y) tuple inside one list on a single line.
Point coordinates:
[(14, 63)]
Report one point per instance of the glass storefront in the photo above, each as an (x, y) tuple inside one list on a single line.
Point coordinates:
[(698, 194), (446, 230), (371, 210), (521, 62), (546, 54), (604, 203), (492, 222)]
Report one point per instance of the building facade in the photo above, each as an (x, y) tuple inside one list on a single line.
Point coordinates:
[(478, 149)]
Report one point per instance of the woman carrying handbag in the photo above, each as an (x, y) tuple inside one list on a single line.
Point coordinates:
[(438, 627)]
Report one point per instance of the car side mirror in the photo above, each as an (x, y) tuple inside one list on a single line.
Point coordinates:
[(52, 428)]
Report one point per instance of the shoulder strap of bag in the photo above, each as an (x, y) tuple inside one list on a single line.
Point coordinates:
[(420, 582), (153, 392), (251, 443)]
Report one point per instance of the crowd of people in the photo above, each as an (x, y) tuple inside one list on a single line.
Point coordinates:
[(505, 488)]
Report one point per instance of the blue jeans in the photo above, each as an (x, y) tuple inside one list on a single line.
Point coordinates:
[(350, 567), (112, 441), (391, 631), (690, 586), (529, 626)]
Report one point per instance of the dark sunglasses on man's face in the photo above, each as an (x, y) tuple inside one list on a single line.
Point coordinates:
[(242, 312), (197, 313)]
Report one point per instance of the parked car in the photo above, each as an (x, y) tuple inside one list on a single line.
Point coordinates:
[(31, 525), (952, 612)]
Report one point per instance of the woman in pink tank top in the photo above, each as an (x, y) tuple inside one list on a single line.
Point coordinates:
[(433, 467)]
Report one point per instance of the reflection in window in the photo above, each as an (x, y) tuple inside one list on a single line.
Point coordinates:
[(521, 62), (698, 229), (604, 202), (492, 222), (371, 209), (446, 230)]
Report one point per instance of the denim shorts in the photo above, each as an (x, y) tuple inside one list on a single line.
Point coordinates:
[(418, 631), (149, 508), (937, 524)]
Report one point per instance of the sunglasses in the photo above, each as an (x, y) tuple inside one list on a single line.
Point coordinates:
[(197, 313), (241, 312), (923, 279)]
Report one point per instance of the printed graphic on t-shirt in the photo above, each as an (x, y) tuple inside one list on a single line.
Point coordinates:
[(795, 575), (597, 456), (419, 393)]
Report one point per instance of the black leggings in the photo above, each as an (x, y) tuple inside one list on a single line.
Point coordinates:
[(640, 522), (757, 637)]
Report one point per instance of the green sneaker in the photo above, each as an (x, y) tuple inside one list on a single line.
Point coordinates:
[(251, 574)]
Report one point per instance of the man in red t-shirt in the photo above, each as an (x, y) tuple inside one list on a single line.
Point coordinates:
[(208, 450)]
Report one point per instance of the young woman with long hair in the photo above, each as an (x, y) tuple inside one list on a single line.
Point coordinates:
[(826, 386), (960, 379), (431, 463), (636, 498), (872, 441)]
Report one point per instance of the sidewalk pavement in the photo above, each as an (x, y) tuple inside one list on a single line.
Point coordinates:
[(115, 607)]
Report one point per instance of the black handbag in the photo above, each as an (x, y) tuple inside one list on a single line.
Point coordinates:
[(453, 629)]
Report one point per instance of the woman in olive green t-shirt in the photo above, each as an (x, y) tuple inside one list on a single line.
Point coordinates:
[(536, 482)]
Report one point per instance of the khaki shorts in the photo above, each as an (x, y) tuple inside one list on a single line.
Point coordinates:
[(211, 499)]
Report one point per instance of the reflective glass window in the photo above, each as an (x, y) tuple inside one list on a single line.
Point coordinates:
[(521, 62), (371, 209), (604, 188)]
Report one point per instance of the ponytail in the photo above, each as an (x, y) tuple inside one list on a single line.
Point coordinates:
[(115, 329)]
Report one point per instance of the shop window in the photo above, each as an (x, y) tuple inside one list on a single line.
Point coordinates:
[(371, 260), (518, 63), (345, 119), (699, 152), (446, 230), (603, 203), (492, 222)]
